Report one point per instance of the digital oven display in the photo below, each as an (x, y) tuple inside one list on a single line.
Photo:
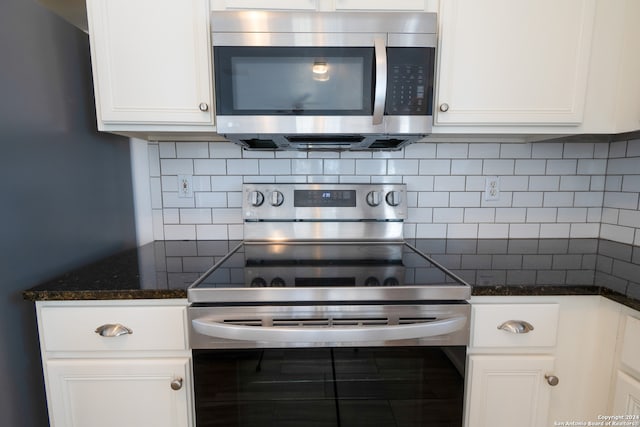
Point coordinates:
[(324, 198)]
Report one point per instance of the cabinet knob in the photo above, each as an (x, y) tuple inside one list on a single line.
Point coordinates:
[(203, 106), (176, 384), (552, 380), (444, 107), (113, 330), (516, 327)]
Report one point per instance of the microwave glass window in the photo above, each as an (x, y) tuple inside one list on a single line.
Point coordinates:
[(294, 81)]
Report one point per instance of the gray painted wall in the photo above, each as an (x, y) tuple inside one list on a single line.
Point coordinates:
[(65, 190)]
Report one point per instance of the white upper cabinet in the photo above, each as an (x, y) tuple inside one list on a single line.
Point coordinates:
[(265, 4), (520, 63), (151, 62)]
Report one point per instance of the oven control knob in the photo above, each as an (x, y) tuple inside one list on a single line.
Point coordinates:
[(371, 281), (394, 198), (373, 198), (278, 282), (277, 198), (258, 282), (256, 198), (390, 282)]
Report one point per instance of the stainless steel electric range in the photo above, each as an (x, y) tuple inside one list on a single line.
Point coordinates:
[(323, 312)]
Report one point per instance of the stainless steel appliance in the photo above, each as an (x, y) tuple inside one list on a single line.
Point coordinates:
[(323, 80), (324, 312)]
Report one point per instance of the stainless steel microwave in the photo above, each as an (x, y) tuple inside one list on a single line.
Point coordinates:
[(323, 80)]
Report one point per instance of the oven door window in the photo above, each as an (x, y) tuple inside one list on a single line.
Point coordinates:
[(382, 386), (294, 81)]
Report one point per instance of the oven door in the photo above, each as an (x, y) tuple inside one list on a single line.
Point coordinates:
[(342, 365)]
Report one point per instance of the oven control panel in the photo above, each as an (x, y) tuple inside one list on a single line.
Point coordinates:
[(324, 202)]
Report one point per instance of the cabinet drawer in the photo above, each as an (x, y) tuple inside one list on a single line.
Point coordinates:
[(73, 328), (487, 318), (631, 346)]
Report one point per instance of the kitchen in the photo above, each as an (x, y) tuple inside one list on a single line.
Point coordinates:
[(536, 180)]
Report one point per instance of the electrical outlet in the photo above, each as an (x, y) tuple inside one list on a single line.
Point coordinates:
[(492, 188), (185, 186)]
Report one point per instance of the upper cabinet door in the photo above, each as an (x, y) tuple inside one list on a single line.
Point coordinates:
[(264, 4), (151, 61), (505, 62)]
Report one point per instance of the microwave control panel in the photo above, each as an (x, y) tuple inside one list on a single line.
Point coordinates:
[(409, 81)]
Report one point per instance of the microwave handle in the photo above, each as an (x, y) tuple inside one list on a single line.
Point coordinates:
[(380, 92)]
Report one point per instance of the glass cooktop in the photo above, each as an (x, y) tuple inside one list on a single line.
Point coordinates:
[(326, 272)]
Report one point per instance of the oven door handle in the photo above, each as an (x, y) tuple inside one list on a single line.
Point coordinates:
[(338, 334)]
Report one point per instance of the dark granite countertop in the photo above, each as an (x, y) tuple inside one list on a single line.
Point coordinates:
[(164, 269)]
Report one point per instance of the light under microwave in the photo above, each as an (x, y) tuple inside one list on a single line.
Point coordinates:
[(323, 80)]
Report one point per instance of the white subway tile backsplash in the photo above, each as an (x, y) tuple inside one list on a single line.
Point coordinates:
[(435, 167), (275, 166), (211, 200), (546, 150), (466, 167), (195, 216), (498, 167), (493, 231), (578, 150), (462, 231), (449, 183), (555, 231), (621, 200), (431, 231), (467, 199), (530, 167), (452, 151), (154, 160), (633, 148), (575, 183), (224, 150), (371, 167), (515, 151), (402, 167), (212, 232), (223, 183), (192, 150), (484, 151), (511, 215), (558, 199), (532, 199), (562, 167), (548, 189), (176, 166), (167, 150), (307, 166), (592, 167), (479, 215), (433, 199), (243, 167), (210, 167)]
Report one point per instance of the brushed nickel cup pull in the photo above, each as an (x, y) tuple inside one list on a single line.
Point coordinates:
[(176, 384), (552, 380), (110, 330), (204, 107), (516, 327)]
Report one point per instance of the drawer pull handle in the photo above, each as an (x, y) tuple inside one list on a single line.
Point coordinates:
[(516, 327), (176, 384), (113, 330)]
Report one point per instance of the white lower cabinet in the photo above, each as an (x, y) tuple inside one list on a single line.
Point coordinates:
[(122, 392), (120, 363), (626, 400), (508, 391)]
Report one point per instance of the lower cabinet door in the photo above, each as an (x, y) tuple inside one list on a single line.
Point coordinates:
[(119, 393), (626, 400), (508, 390)]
